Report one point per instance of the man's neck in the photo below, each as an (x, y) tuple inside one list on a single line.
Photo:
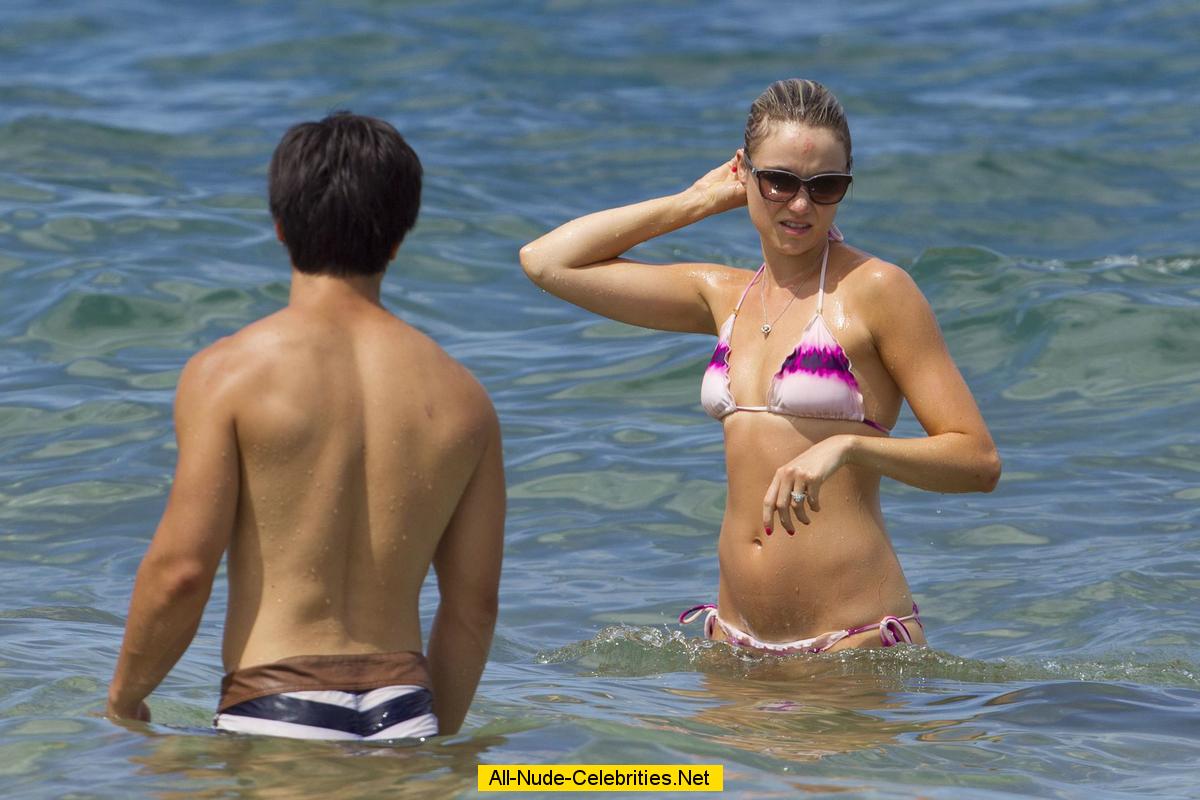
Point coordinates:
[(326, 290)]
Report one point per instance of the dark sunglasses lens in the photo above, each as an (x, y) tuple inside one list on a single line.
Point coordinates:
[(778, 186), (828, 189)]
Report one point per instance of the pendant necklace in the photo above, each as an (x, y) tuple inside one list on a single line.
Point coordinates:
[(769, 324)]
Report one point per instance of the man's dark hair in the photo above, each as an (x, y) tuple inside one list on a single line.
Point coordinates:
[(344, 191)]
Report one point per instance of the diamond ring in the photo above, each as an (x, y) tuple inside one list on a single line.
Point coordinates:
[(798, 497)]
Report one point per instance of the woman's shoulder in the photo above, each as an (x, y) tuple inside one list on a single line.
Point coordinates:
[(724, 285), (713, 272), (886, 298), (873, 279)]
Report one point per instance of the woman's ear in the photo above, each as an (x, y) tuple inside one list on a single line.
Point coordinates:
[(739, 165)]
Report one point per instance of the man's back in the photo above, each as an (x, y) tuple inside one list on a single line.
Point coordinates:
[(357, 437), (336, 453)]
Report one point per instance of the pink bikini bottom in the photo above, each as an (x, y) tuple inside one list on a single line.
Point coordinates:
[(892, 631)]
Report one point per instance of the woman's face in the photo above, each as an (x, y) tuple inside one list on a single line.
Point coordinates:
[(799, 225)]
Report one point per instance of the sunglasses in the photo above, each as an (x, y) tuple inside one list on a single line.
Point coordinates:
[(778, 186)]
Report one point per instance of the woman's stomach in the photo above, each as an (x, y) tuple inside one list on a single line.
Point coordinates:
[(836, 570)]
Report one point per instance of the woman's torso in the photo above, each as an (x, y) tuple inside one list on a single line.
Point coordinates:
[(839, 570)]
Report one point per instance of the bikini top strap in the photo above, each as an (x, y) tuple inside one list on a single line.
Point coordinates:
[(821, 287), (753, 280)]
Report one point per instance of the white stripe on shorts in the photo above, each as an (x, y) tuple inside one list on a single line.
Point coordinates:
[(355, 702), (416, 728), (271, 727)]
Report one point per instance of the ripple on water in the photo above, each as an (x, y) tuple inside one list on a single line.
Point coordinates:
[(91, 325), (650, 650), (1055, 142), (28, 421)]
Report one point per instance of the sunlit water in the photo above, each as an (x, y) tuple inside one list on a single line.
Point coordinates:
[(1034, 165)]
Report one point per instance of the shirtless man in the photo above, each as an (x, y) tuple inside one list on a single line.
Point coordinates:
[(336, 453)]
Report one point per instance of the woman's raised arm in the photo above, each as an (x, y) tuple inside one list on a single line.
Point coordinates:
[(581, 262)]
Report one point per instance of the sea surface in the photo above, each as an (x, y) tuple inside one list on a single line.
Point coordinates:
[(1034, 165)]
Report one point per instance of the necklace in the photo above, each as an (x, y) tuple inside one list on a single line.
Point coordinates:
[(769, 324), (762, 295)]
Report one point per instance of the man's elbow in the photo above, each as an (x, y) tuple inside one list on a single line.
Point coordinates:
[(178, 579), (474, 609), (486, 608)]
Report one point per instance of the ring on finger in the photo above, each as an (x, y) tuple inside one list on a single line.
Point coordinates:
[(799, 496)]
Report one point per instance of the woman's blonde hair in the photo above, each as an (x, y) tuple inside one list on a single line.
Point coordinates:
[(801, 101)]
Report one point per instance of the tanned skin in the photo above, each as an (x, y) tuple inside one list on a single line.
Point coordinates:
[(792, 570), (335, 453)]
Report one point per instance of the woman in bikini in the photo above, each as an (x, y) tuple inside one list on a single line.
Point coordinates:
[(815, 352)]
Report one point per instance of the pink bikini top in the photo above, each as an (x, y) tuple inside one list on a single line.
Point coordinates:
[(815, 380)]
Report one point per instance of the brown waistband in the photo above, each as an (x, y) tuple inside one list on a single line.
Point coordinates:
[(347, 673)]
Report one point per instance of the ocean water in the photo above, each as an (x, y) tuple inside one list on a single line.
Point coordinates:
[(1035, 165)]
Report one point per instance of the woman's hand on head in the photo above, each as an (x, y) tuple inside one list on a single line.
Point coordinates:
[(803, 475), (720, 189)]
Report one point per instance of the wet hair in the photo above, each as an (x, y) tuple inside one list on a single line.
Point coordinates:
[(800, 101), (344, 191)]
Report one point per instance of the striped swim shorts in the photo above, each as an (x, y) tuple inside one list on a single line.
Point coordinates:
[(370, 696)]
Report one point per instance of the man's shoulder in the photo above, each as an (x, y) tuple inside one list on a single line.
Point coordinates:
[(464, 386), (227, 363), (431, 363)]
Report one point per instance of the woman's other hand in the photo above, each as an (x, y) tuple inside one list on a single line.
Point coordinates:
[(797, 483)]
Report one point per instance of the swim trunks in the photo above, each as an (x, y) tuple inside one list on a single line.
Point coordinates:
[(368, 696)]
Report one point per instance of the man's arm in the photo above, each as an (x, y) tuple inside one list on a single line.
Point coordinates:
[(176, 575), (468, 573)]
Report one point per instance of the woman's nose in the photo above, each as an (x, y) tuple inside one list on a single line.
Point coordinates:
[(801, 201)]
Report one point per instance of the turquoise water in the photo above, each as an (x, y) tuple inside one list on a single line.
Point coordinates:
[(1034, 164)]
